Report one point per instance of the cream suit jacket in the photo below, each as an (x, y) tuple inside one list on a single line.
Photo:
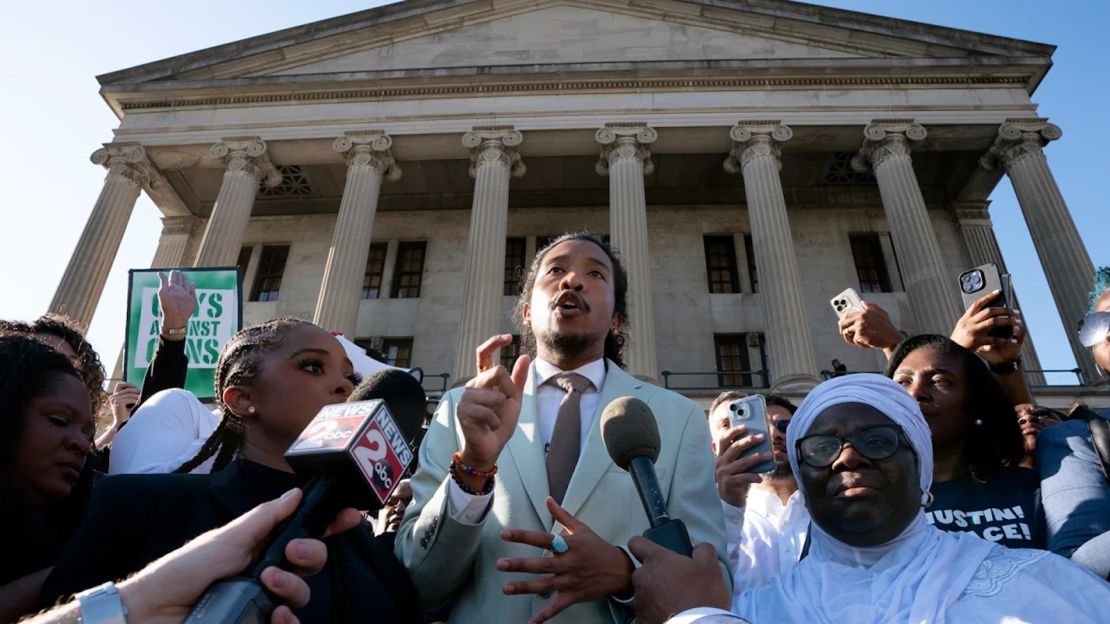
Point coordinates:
[(448, 559)]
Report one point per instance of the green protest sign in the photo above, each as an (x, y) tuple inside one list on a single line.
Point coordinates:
[(218, 315)]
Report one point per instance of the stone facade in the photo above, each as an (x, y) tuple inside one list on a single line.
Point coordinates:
[(787, 127)]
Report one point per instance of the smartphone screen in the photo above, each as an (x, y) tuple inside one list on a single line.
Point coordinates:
[(751, 411)]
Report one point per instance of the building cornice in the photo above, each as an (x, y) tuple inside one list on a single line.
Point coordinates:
[(596, 77)]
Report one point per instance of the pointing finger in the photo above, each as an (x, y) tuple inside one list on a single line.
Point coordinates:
[(520, 374), (485, 351)]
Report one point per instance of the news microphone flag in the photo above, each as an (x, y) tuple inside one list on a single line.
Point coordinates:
[(365, 434)]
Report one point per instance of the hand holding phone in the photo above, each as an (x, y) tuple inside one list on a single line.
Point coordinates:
[(980, 282), (864, 324), (734, 469), (751, 413), (846, 302), (988, 327)]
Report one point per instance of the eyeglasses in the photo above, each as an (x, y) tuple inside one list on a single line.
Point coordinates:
[(1093, 328), (780, 425), (874, 443)]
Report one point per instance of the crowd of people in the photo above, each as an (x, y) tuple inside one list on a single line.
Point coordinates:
[(935, 491)]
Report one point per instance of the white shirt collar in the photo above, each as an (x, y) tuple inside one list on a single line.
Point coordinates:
[(594, 371)]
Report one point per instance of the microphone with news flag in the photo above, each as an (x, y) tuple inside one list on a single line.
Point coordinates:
[(355, 454), (631, 436)]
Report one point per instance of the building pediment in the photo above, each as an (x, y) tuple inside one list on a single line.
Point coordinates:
[(565, 34), (442, 43)]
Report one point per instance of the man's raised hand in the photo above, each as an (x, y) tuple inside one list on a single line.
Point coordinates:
[(490, 405)]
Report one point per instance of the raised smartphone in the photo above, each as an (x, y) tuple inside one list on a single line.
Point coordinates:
[(977, 282), (846, 303), (751, 411)]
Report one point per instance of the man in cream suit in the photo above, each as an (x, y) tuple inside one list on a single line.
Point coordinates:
[(518, 513)]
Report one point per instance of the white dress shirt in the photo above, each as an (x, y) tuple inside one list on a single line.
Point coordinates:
[(470, 508), (765, 537)]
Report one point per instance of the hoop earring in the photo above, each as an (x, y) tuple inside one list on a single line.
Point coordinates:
[(928, 500)]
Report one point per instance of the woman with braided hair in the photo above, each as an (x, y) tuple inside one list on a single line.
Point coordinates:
[(271, 379)]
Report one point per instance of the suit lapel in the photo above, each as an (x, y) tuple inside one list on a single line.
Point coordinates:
[(595, 460), (526, 451)]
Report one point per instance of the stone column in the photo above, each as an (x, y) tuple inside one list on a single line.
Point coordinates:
[(626, 159), (756, 154), (982, 247), (368, 160), (930, 284), (1067, 265), (83, 281), (173, 242), (247, 165), (494, 159)]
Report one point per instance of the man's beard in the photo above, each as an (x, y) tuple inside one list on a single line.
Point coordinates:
[(781, 471), (567, 346)]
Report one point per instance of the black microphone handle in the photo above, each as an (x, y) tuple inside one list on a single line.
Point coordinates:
[(647, 486), (307, 521), (243, 599)]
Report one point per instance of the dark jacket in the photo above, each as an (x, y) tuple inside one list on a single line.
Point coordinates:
[(134, 519), (167, 370)]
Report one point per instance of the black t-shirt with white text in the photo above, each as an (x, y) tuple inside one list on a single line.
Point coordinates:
[(1005, 510)]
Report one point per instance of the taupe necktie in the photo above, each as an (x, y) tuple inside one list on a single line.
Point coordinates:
[(566, 439)]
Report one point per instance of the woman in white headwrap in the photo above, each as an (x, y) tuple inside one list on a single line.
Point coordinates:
[(862, 453)]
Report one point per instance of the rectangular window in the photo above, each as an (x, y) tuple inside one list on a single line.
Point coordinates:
[(514, 266), (720, 264), (409, 272), (749, 253), (397, 352), (510, 353), (244, 258), (867, 252), (375, 267), (732, 355), (271, 267)]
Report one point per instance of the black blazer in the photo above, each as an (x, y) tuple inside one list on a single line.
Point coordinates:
[(134, 519)]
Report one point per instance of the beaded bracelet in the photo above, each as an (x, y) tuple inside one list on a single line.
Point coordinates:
[(458, 467), (456, 460)]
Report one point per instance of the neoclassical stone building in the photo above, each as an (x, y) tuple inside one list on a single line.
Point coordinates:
[(387, 173)]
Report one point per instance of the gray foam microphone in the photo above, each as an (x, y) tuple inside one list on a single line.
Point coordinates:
[(631, 437)]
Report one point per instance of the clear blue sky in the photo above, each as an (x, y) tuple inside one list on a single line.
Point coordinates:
[(54, 119)]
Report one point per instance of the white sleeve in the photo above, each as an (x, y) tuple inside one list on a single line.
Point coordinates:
[(690, 616), (167, 430), (467, 508), (734, 532)]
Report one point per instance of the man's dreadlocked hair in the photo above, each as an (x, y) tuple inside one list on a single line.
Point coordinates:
[(92, 371), (239, 365), (614, 343)]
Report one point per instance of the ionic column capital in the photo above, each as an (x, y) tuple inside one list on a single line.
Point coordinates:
[(1018, 138), (128, 160), (625, 141), (756, 139), (370, 148), (495, 145), (247, 154), (885, 138), (972, 212)]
